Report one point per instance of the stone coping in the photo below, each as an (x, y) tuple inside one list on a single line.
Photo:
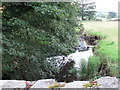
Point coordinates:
[(106, 82)]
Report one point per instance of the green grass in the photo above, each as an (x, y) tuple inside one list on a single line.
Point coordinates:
[(108, 28), (105, 49), (108, 54), (93, 66)]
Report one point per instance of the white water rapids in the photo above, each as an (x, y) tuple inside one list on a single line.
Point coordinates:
[(82, 55), (77, 56)]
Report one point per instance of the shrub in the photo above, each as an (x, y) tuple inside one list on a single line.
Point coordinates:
[(93, 66), (83, 70), (33, 31), (74, 73)]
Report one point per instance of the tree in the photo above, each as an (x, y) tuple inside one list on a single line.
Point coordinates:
[(111, 15), (34, 31), (87, 11)]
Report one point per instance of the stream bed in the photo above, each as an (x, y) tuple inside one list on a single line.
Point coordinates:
[(78, 56), (64, 63)]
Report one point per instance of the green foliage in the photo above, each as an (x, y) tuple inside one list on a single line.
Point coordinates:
[(83, 71), (93, 66), (91, 70), (111, 15), (107, 51), (87, 11), (74, 71), (33, 31), (96, 34), (108, 55), (79, 30), (105, 61)]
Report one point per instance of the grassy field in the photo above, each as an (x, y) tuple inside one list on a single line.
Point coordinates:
[(108, 28)]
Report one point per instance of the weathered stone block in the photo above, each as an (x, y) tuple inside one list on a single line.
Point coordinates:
[(43, 83), (11, 84)]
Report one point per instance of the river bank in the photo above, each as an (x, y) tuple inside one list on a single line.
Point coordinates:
[(105, 59)]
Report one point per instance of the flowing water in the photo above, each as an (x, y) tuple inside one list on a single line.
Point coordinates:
[(83, 53), (78, 56)]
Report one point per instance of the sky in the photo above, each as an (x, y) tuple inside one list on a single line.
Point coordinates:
[(106, 5)]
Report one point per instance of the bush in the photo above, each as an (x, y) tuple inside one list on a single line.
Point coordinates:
[(93, 66), (83, 70), (74, 73), (33, 31)]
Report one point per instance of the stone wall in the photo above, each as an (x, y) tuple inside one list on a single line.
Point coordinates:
[(106, 83)]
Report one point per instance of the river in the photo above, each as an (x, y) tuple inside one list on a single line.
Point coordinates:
[(83, 52)]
